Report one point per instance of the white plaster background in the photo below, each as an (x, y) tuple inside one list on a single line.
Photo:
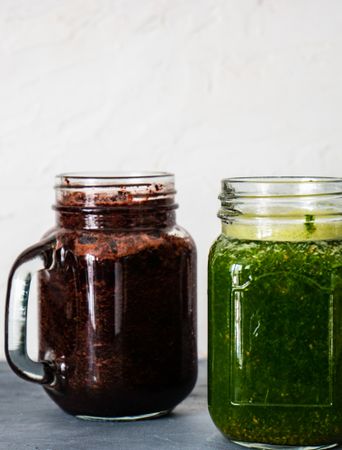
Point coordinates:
[(204, 88)]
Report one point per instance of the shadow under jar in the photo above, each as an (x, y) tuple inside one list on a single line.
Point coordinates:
[(275, 313), (117, 300)]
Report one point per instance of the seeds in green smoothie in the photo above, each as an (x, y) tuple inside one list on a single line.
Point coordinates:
[(275, 340)]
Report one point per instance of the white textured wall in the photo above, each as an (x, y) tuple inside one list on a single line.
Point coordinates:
[(204, 88)]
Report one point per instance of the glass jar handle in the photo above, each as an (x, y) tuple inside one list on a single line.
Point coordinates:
[(33, 259)]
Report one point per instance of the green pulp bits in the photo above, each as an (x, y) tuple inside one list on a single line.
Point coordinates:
[(275, 340)]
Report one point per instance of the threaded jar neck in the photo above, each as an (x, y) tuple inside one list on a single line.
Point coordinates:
[(282, 208), (123, 200)]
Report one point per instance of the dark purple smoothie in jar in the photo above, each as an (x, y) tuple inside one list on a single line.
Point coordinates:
[(118, 305)]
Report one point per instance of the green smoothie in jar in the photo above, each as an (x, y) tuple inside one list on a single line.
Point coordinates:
[(275, 313)]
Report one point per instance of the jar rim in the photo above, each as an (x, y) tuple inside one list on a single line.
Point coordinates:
[(112, 189), (282, 186), (117, 178), (283, 179)]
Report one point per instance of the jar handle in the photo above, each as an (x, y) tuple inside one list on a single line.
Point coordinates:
[(33, 259)]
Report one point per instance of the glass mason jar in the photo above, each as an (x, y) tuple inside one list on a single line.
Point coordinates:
[(275, 313), (116, 297)]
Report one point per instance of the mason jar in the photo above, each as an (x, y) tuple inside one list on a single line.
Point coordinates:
[(116, 297), (275, 313)]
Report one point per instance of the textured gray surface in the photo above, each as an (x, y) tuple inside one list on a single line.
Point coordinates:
[(31, 421)]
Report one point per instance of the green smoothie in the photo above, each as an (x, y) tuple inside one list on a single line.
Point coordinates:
[(275, 333)]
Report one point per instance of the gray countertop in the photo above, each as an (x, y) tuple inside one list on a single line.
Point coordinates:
[(31, 421)]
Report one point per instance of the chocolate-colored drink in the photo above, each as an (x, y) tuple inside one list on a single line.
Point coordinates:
[(117, 299)]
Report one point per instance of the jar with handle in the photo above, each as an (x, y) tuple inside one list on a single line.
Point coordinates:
[(116, 298)]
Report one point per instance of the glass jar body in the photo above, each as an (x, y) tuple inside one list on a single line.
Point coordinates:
[(118, 319), (275, 372), (275, 327)]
